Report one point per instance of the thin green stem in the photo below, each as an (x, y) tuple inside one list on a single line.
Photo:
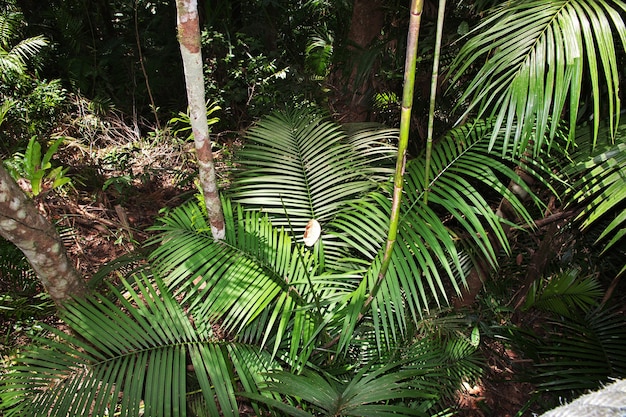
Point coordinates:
[(398, 182), (405, 122), (433, 96)]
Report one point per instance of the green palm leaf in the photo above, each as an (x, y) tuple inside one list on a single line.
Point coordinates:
[(420, 375), (434, 239), (367, 394), (565, 293), (538, 54), (600, 184), (129, 358), (464, 170), (300, 163), (13, 58), (255, 283), (319, 52), (27, 48), (280, 176), (578, 355)]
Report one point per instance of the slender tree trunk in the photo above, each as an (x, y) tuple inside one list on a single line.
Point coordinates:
[(24, 226), (190, 48), (405, 122), (415, 21)]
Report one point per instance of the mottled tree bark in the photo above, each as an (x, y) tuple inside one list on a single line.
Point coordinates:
[(24, 226), (190, 49)]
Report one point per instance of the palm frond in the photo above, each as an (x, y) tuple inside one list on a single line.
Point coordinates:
[(408, 382), (319, 51), (298, 166), (10, 62), (28, 48), (367, 394), (565, 294), (14, 57), (5, 106), (600, 184), (465, 172), (280, 176), (10, 22), (537, 55), (446, 362), (255, 283), (579, 355), (436, 239), (357, 232), (129, 358)]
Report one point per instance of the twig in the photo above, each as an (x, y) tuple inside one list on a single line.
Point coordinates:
[(559, 215)]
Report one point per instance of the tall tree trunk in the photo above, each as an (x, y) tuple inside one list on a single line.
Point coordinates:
[(190, 48), (367, 21), (24, 226), (415, 21), (365, 25)]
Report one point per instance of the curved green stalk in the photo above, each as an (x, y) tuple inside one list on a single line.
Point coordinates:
[(405, 122), (433, 96)]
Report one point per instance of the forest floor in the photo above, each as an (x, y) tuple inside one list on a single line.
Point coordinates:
[(109, 209)]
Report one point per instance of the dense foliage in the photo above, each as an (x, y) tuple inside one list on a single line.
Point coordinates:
[(510, 235)]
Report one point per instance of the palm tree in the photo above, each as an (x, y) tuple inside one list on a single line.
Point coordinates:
[(544, 68), (303, 328), (541, 65), (262, 301)]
